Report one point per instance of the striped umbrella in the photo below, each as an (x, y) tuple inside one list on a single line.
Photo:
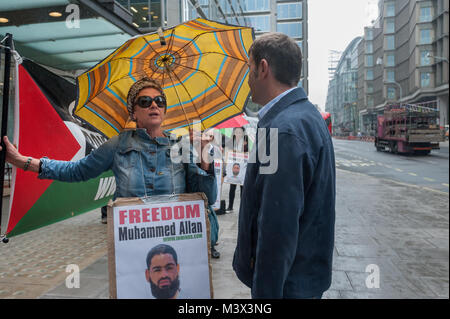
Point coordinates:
[(201, 65)]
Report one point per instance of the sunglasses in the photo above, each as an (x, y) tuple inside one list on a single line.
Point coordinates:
[(146, 101)]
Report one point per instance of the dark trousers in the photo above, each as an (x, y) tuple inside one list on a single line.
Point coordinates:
[(104, 211), (232, 194)]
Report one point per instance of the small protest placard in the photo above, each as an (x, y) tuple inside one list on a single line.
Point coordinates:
[(218, 166), (159, 248), (236, 165)]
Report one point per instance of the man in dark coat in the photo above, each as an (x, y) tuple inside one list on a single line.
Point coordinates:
[(287, 213)]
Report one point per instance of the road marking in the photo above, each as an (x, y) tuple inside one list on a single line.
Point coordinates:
[(401, 183), (412, 174), (388, 166), (446, 185), (428, 179), (399, 170)]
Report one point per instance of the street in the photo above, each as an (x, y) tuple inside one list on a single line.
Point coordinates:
[(427, 171), (391, 237)]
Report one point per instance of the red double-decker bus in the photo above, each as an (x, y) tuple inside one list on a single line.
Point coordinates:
[(327, 117)]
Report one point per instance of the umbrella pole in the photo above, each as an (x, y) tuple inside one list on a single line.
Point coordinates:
[(7, 47)]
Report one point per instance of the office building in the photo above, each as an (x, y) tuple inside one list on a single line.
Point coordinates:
[(403, 58)]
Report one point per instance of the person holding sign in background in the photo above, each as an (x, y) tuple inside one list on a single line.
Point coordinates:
[(139, 158), (239, 143)]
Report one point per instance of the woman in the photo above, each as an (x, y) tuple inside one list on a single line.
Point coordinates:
[(140, 159), (239, 144)]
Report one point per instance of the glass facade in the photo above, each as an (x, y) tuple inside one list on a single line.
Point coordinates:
[(289, 11), (425, 79), (292, 29), (148, 15), (424, 57), (425, 36), (369, 60), (261, 23), (390, 26), (390, 76), (390, 9), (391, 93), (255, 5), (390, 42), (390, 59), (425, 13)]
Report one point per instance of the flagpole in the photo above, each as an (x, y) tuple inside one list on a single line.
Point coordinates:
[(4, 132)]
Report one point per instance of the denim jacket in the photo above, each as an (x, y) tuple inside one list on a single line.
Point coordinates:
[(141, 165)]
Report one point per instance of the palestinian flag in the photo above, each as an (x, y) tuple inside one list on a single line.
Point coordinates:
[(44, 126)]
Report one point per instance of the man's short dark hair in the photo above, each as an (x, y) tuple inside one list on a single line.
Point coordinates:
[(282, 54), (161, 249), (236, 164)]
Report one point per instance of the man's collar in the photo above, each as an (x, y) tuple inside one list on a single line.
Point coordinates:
[(294, 95), (269, 105)]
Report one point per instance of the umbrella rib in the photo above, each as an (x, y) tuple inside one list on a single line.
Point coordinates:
[(179, 99), (207, 32), (206, 74), (190, 97), (169, 47), (196, 55)]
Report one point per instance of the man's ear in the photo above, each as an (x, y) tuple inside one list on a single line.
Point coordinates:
[(263, 68), (147, 275)]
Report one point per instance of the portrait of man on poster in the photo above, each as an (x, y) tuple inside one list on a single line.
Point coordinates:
[(163, 272)]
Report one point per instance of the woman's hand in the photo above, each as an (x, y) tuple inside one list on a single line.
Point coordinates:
[(202, 140), (12, 154), (15, 158)]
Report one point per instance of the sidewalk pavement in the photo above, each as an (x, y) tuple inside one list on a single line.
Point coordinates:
[(410, 251)]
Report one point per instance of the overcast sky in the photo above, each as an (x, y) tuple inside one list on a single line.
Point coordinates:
[(332, 25)]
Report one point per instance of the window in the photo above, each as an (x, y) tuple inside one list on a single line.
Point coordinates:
[(390, 42), (390, 76), (425, 79), (424, 57), (390, 9), (255, 5), (369, 75), (301, 46), (260, 23), (369, 101), (390, 59), (289, 10), (425, 36), (391, 93), (369, 34), (369, 47), (369, 60), (292, 29), (390, 26), (369, 88), (425, 14)]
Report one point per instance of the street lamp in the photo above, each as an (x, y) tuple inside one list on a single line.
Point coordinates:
[(429, 55)]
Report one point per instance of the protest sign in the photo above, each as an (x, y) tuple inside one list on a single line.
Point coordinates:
[(159, 248), (236, 165)]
